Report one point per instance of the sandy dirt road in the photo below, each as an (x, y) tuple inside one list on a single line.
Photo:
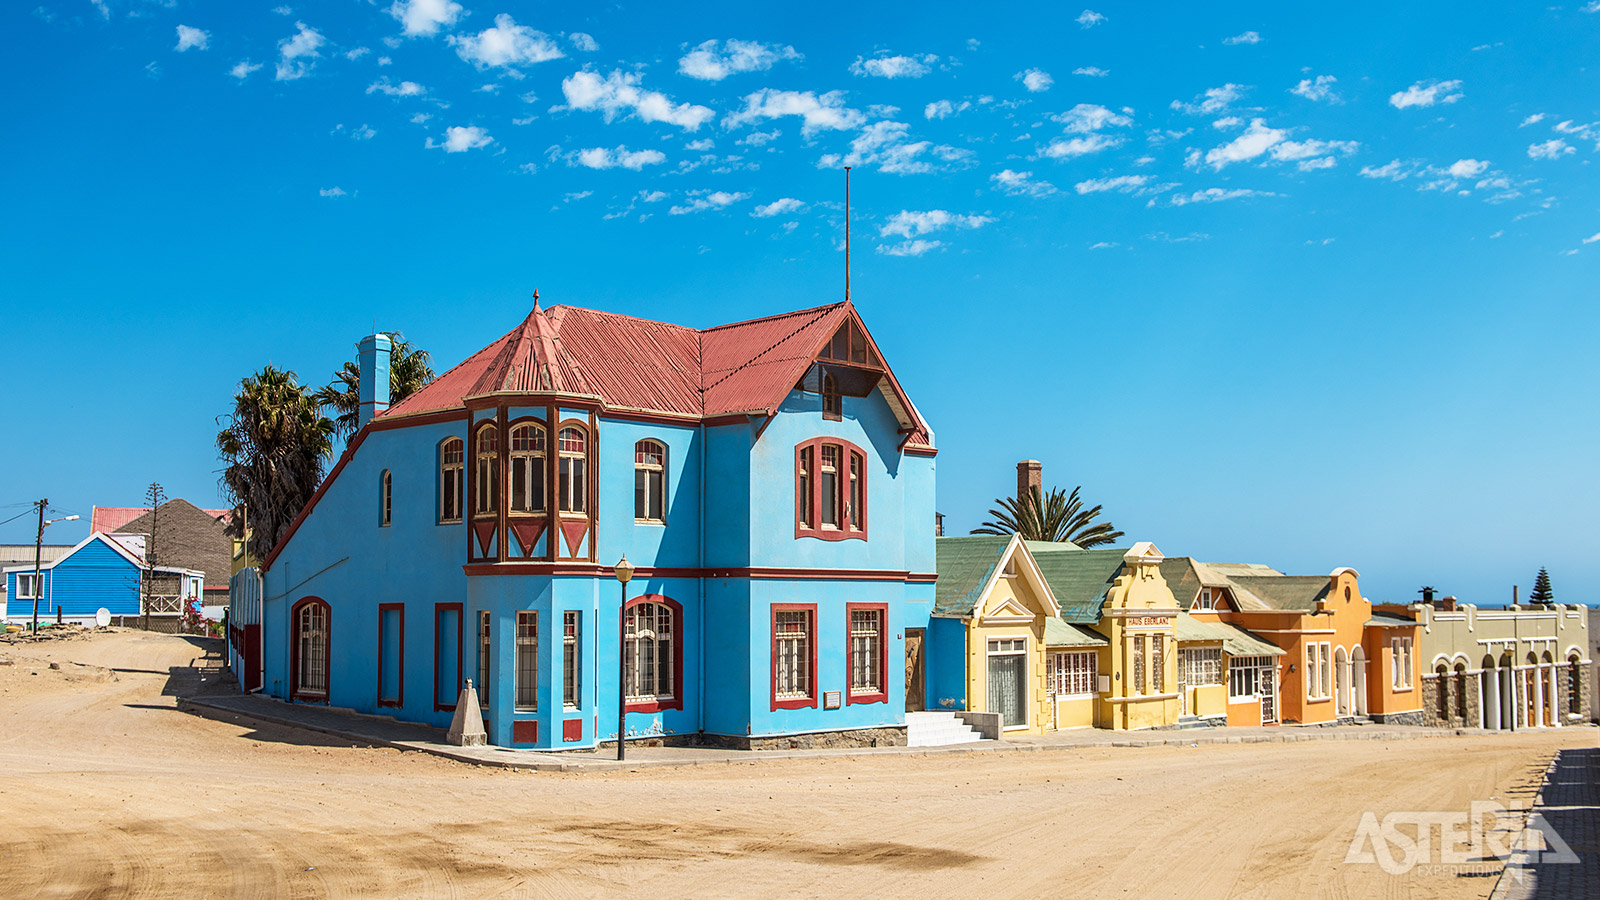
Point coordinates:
[(106, 790)]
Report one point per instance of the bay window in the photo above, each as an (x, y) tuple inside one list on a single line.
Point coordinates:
[(572, 446), (830, 479), (486, 469), (527, 468)]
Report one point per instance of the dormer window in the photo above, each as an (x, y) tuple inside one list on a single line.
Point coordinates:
[(850, 345), (1206, 600), (486, 470), (572, 447), (450, 480), (527, 468), (830, 490)]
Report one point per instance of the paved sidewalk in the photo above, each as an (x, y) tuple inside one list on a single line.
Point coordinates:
[(1569, 805), (384, 731)]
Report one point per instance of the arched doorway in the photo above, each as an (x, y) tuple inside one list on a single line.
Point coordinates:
[(1358, 680), (1461, 693), (310, 639), (1341, 682), (1441, 685)]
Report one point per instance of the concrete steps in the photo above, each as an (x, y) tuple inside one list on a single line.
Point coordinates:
[(938, 729)]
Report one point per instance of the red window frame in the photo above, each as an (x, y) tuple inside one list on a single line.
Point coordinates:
[(294, 652), (882, 694), (811, 649), (845, 531), (461, 627), (676, 702), (400, 674)]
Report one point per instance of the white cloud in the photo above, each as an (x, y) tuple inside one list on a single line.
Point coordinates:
[(583, 43), (759, 138), (506, 44), (403, 89), (709, 62), (894, 66), (1214, 195), (459, 139), (1021, 184), (1591, 7), (1256, 140), (909, 224), (1394, 170), (362, 132), (283, 10), (944, 109), (1555, 148), (1089, 18), (1086, 118), (1532, 120), (384, 60), (1592, 238), (1249, 37), (243, 68), (909, 248), (192, 38), (296, 53), (701, 145), (1426, 94), (334, 191), (1091, 71), (1319, 89), (819, 112), (1104, 245), (423, 18), (1467, 168), (1122, 183), (609, 158), (357, 53), (1214, 100), (702, 200), (619, 93), (1290, 151), (778, 207), (1035, 80), (1079, 146), (886, 144)]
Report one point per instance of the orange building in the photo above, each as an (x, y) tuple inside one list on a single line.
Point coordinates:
[(1341, 662)]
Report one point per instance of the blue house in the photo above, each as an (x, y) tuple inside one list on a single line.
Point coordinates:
[(103, 571), (769, 480)]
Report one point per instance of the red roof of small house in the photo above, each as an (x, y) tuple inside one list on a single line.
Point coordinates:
[(108, 519), (632, 364)]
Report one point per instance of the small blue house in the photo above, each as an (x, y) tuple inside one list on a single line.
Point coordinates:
[(101, 571), (770, 481)]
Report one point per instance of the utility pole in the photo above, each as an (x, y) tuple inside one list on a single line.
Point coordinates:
[(38, 548)]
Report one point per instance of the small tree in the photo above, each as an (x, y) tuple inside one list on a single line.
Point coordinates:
[(1541, 592), (1056, 516), (273, 448)]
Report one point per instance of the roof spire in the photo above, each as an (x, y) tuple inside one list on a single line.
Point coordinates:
[(847, 234), (536, 299)]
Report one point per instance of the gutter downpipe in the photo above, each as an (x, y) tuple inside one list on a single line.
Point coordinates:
[(700, 560)]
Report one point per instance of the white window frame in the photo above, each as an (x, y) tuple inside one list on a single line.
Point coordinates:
[(1319, 670), (33, 580), (867, 665), (1010, 646), (1245, 671), (485, 655), (486, 469), (1073, 673), (1400, 648), (573, 499), (1207, 601), (1206, 662), (796, 681), (643, 627)]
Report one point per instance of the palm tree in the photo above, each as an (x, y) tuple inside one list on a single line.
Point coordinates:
[(409, 371), (273, 448), (1053, 517)]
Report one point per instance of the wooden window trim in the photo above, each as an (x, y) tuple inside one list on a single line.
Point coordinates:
[(295, 694), (882, 694), (572, 687), (651, 467), (492, 496), (676, 700), (516, 661), (461, 627), (400, 674), (385, 498), (588, 468), (832, 400), (513, 456), (811, 652), (444, 469), (845, 531)]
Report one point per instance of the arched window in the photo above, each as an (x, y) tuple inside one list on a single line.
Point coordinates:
[(486, 470), (385, 497), (311, 620), (450, 480), (1461, 690), (654, 654), (527, 468), (830, 490), (649, 482), (1442, 683), (572, 446), (832, 402)]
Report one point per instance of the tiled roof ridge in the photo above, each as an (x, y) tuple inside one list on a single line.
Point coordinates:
[(820, 311), (774, 316)]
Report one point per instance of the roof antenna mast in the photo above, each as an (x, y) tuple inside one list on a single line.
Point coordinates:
[(847, 234)]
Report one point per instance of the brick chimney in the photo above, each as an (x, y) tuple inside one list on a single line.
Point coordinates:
[(373, 358), (1030, 474), (1448, 604)]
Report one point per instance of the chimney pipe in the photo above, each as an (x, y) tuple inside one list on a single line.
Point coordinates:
[(1427, 595), (1030, 474), (373, 354)]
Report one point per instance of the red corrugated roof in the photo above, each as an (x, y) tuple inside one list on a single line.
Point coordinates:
[(639, 364), (108, 519)]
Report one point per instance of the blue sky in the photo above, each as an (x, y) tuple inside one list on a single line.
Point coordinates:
[(1304, 287)]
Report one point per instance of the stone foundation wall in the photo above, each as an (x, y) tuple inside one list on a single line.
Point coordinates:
[(891, 736), (1455, 690), (1415, 717)]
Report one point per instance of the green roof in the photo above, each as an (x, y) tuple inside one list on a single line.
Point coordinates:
[(1180, 577), (1065, 634), (1294, 592), (1079, 579), (965, 565), (1235, 640)]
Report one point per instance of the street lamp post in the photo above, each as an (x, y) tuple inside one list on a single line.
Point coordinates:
[(38, 549), (624, 572)]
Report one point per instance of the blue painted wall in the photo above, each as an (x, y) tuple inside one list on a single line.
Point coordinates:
[(79, 585)]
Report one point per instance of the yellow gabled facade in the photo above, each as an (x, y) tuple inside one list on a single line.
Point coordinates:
[(1006, 645), (1142, 657)]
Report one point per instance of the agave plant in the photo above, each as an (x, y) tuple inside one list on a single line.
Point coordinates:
[(1055, 516)]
